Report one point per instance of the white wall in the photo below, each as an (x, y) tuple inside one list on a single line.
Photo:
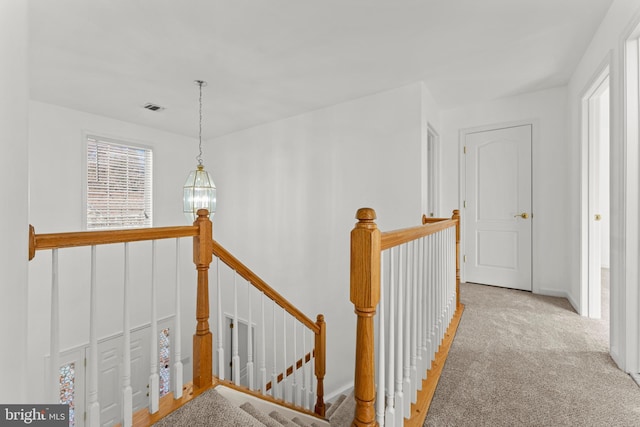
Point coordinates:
[(288, 192), (547, 111), (606, 46), (14, 193), (56, 153)]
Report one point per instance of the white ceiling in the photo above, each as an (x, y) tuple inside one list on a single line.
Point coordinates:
[(269, 59)]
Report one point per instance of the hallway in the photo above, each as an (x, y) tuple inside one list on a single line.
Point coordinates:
[(521, 359)]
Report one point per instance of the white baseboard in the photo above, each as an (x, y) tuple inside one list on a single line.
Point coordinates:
[(345, 389), (560, 294)]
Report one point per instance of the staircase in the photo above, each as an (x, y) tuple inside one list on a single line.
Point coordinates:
[(226, 406)]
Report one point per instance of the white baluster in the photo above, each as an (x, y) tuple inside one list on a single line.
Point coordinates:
[(380, 376), (154, 378), (93, 407), (399, 399), (54, 345), (312, 384), (406, 352), (263, 348), (433, 348), (127, 390), (274, 372), (426, 359), (178, 380), (303, 390), (443, 296), (294, 374), (390, 413), (286, 395), (414, 322), (420, 366), (235, 359), (249, 340), (221, 328)]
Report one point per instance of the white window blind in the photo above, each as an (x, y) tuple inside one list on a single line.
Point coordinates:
[(119, 185)]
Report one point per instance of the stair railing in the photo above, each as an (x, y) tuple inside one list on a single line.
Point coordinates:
[(411, 278), (292, 369)]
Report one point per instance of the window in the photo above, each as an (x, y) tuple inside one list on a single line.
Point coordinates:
[(119, 179)]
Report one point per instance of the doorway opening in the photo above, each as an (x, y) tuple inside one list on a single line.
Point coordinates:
[(594, 293)]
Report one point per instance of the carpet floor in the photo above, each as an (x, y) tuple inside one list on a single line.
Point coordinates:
[(520, 359)]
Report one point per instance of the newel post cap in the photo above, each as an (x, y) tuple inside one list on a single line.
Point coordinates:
[(366, 214)]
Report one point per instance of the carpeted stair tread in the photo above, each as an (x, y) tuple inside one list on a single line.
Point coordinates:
[(299, 422), (334, 406), (281, 419), (342, 416), (259, 415), (209, 409)]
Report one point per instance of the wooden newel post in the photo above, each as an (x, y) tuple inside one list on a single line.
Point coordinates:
[(320, 364), (365, 295), (456, 217), (202, 339)]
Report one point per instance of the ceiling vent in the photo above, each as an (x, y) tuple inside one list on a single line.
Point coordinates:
[(152, 107)]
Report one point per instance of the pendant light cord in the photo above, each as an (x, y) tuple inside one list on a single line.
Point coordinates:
[(200, 83)]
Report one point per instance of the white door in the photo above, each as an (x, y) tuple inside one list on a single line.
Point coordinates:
[(498, 217)]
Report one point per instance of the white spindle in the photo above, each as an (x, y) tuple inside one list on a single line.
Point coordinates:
[(177, 333), (390, 416), (249, 340), (154, 378), (431, 303), (312, 384), (235, 360), (380, 392), (286, 392), (426, 357), (274, 372), (220, 334), (407, 336), (263, 348), (399, 401), (303, 389), (127, 390), (93, 407), (54, 345), (294, 383), (414, 323), (420, 366)]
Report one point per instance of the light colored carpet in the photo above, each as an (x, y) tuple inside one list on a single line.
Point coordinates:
[(209, 409), (520, 359)]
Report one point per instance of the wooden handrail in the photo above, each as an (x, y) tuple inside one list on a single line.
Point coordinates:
[(367, 244), (244, 272), (389, 239), (39, 242)]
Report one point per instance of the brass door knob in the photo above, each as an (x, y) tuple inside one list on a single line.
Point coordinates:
[(523, 215), (598, 217)]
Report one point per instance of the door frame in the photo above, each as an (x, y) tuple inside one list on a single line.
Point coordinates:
[(587, 254), (462, 190)]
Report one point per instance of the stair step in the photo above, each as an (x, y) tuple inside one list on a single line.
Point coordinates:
[(334, 406), (259, 415), (282, 420), (343, 415)]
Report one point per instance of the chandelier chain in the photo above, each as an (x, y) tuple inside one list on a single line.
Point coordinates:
[(199, 156)]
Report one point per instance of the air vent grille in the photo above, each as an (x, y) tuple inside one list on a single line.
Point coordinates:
[(152, 107)]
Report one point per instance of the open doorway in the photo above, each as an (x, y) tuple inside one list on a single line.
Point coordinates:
[(596, 196)]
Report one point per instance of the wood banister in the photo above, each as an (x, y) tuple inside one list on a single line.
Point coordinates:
[(39, 242), (244, 272), (390, 239), (202, 339), (365, 295), (320, 364)]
